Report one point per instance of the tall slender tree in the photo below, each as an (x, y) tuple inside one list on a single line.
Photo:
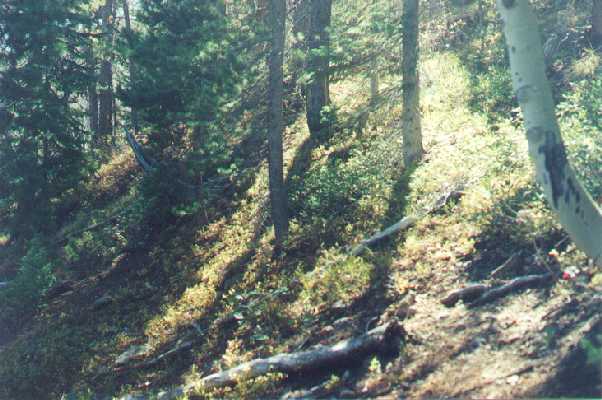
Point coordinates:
[(105, 96), (300, 26), (577, 211), (92, 93), (278, 195), (317, 96), (129, 35), (411, 124)]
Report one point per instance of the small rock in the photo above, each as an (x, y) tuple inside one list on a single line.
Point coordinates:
[(132, 353), (102, 301), (3, 284), (339, 305), (513, 380)]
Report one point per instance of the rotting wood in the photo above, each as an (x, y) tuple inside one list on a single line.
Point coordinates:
[(479, 294)]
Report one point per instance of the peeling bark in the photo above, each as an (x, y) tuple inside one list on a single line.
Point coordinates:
[(579, 215)]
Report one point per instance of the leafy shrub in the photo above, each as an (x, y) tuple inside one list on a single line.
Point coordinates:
[(493, 91), (581, 123), (337, 277)]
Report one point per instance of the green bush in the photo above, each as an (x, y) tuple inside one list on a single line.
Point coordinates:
[(493, 91), (25, 291), (337, 277), (581, 124)]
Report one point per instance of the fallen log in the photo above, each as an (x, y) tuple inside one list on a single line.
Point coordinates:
[(401, 225), (407, 222), (479, 294), (465, 294), (383, 339), (147, 165), (524, 282)]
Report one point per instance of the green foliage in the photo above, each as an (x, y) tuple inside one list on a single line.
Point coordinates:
[(593, 350), (41, 77), (336, 277), (34, 277), (581, 124), (493, 93)]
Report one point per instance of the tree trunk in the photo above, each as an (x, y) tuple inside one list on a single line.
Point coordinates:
[(578, 213), (300, 31), (105, 114), (278, 196), (92, 95), (373, 81), (412, 131), (318, 66), (128, 29), (597, 23)]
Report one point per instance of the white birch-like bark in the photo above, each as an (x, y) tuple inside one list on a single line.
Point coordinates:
[(578, 213)]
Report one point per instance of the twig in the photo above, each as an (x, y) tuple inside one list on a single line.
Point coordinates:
[(511, 262)]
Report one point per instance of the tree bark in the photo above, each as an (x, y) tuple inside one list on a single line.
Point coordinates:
[(92, 94), (597, 23), (300, 31), (578, 213), (129, 32), (318, 65), (412, 131), (278, 195), (105, 114)]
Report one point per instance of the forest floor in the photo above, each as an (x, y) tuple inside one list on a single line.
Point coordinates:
[(209, 287)]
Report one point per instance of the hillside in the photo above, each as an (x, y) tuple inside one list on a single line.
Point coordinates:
[(145, 299)]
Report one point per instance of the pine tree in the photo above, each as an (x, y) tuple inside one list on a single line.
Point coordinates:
[(42, 149)]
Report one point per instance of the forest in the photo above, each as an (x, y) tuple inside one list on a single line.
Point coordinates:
[(300, 199)]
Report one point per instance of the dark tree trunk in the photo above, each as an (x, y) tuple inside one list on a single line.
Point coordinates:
[(128, 29), (278, 195), (300, 30), (412, 132), (92, 95), (105, 123), (318, 66)]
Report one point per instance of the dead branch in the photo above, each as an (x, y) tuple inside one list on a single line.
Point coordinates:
[(385, 338), (146, 164), (465, 294), (407, 222), (479, 294), (401, 225), (510, 263), (528, 281)]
